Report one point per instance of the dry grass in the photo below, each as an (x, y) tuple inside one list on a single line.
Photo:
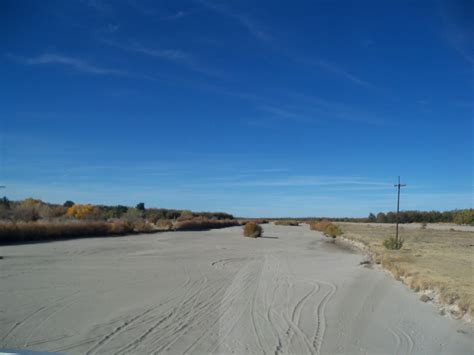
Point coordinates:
[(203, 223), (430, 259), (287, 222), (252, 230)]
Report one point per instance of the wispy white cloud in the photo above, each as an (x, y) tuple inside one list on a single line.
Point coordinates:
[(342, 73), (254, 28), (311, 110), (285, 114), (458, 22), (328, 67), (177, 15), (176, 56), (295, 181), (75, 63)]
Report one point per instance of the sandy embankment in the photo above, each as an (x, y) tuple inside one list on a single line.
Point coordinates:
[(215, 291)]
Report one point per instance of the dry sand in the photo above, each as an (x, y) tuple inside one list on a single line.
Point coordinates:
[(213, 292)]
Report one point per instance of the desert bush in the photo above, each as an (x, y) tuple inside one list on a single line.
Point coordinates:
[(120, 227), (132, 215), (114, 212), (243, 222), (464, 216), (140, 225), (165, 224), (423, 225), (332, 231), (47, 211), (253, 230), (214, 215), (26, 210), (152, 215), (287, 222), (392, 243), (11, 232), (319, 226), (203, 223), (185, 216)]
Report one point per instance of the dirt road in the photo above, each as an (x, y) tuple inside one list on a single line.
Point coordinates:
[(212, 292)]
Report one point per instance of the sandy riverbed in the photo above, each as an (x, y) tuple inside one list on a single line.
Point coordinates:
[(212, 292)]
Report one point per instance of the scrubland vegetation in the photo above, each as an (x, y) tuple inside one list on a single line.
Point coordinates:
[(34, 220), (287, 222), (200, 223), (252, 230), (437, 260), (243, 222), (329, 229)]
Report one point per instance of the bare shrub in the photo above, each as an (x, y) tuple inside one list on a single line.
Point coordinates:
[(253, 230), (165, 224), (26, 210), (46, 211), (186, 215), (203, 223), (120, 227), (141, 225), (392, 243)]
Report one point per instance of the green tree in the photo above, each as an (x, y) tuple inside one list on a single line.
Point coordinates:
[(391, 217), (372, 218), (381, 218), (140, 206), (68, 204)]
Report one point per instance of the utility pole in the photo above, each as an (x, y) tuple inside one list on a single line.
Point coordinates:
[(398, 186)]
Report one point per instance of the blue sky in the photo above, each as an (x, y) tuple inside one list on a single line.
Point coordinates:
[(257, 108)]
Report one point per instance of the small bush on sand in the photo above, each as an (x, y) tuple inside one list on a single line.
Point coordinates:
[(287, 222), (332, 231), (252, 230), (423, 225), (392, 243)]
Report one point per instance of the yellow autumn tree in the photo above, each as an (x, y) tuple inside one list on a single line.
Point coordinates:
[(82, 211)]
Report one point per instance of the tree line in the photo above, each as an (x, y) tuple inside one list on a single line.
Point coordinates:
[(458, 216), (30, 210)]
